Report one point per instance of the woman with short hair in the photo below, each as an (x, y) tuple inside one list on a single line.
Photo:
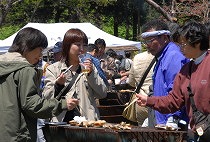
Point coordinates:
[(87, 88)]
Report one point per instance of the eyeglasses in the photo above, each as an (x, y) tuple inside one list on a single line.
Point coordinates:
[(182, 45), (149, 41)]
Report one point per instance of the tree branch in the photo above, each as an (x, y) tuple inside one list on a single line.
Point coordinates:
[(160, 9)]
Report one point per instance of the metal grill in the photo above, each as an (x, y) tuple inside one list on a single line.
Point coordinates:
[(67, 133)]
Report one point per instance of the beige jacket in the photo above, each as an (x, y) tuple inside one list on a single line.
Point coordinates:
[(140, 63), (86, 88)]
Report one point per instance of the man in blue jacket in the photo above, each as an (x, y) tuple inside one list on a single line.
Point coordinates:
[(156, 36)]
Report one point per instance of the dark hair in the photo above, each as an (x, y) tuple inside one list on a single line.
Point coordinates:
[(120, 57), (195, 33), (121, 69), (207, 24), (174, 28), (91, 47), (155, 24), (28, 39), (127, 54), (100, 43), (111, 53), (72, 36)]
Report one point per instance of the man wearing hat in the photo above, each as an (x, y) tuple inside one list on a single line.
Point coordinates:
[(57, 51), (156, 36)]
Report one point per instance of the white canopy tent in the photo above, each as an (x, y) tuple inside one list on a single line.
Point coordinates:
[(56, 31)]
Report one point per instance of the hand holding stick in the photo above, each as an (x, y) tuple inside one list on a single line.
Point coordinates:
[(141, 99), (63, 73)]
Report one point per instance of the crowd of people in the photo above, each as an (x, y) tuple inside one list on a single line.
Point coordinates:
[(82, 73)]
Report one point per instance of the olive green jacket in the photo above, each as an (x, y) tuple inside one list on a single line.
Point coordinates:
[(20, 104)]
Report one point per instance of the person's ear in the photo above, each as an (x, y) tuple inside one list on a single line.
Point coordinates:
[(94, 52), (197, 45)]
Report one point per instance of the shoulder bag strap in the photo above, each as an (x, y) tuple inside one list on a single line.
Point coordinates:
[(145, 75), (189, 89), (65, 90)]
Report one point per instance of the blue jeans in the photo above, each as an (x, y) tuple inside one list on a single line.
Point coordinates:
[(40, 135)]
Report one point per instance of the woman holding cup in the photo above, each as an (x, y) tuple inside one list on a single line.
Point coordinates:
[(86, 64), (86, 87)]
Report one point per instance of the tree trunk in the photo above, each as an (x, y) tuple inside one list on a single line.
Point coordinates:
[(4, 9), (127, 25), (135, 22), (116, 22), (160, 9), (58, 14)]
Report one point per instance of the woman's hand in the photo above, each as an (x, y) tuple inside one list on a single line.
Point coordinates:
[(88, 65), (71, 103), (142, 99), (61, 79)]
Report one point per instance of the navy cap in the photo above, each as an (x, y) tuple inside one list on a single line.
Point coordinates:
[(57, 47)]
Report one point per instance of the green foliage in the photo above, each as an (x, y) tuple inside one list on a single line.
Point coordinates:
[(108, 25), (51, 11), (102, 2), (143, 48), (7, 31), (152, 13), (98, 12)]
